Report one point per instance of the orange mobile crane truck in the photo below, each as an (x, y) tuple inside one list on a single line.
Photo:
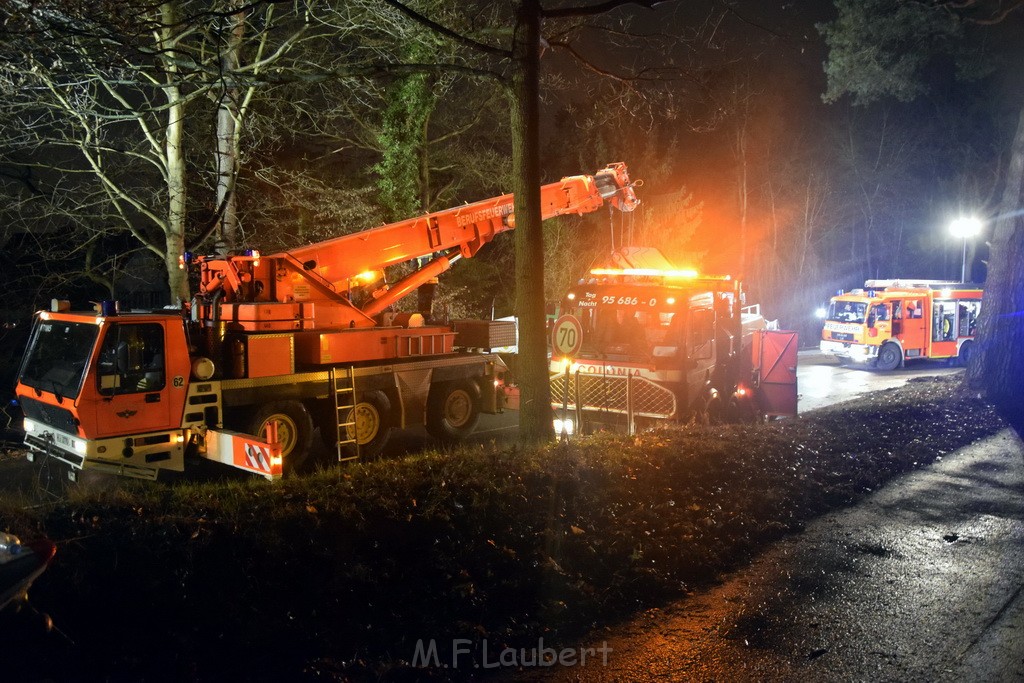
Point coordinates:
[(274, 346)]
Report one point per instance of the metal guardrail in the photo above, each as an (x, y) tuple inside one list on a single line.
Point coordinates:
[(625, 395)]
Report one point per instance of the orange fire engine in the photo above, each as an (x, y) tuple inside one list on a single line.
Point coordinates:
[(892, 321), (275, 346), (643, 342)]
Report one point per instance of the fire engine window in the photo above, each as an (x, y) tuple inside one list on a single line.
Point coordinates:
[(914, 308), (847, 311), (897, 310), (943, 320), (879, 312), (132, 359), (967, 317)]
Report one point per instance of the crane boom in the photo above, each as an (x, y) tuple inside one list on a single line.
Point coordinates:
[(328, 271)]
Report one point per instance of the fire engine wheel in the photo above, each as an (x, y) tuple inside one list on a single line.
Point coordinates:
[(964, 357), (889, 357), (453, 409), (370, 425), (294, 431)]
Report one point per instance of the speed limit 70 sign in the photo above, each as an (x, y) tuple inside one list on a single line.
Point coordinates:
[(567, 336)]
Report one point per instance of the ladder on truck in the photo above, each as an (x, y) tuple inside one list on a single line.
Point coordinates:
[(343, 387)]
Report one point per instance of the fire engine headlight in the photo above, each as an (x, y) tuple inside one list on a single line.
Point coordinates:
[(29, 426), (79, 446), (566, 427)]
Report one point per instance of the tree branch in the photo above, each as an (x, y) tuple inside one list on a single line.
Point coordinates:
[(601, 8), (457, 37)]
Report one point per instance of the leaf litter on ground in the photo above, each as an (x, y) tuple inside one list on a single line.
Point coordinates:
[(336, 576)]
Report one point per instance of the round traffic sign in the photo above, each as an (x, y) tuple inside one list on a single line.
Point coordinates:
[(567, 335)]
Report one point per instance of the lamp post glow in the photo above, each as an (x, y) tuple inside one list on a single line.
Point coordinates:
[(965, 228)]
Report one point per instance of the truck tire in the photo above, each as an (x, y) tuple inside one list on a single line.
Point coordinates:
[(294, 431), (717, 410), (453, 410), (372, 428), (889, 357), (744, 410), (964, 357)]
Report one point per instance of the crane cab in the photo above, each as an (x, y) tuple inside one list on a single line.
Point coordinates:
[(106, 389)]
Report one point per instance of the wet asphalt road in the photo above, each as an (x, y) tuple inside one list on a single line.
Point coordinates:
[(919, 582), (821, 381)]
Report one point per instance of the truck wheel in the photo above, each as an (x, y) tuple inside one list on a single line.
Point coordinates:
[(889, 357), (743, 411), (371, 428), (294, 430), (453, 409), (717, 410), (964, 356)]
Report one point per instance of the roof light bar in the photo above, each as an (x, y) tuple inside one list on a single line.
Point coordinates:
[(684, 274), (645, 272)]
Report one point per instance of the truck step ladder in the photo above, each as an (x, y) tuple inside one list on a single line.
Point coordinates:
[(343, 386)]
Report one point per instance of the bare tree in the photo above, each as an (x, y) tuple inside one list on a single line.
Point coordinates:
[(115, 97)]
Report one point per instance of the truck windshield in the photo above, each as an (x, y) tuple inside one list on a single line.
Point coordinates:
[(847, 311), (627, 332), (57, 355)]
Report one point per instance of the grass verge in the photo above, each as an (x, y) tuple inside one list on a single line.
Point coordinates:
[(336, 576)]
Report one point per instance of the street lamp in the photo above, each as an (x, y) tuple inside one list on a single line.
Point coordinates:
[(965, 228)]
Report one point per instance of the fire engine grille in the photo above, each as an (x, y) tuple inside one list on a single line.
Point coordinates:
[(61, 418), (609, 394)]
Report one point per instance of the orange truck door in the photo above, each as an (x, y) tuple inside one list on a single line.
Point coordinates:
[(131, 385), (775, 355), (914, 329)]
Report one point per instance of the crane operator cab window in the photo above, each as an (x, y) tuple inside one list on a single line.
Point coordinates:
[(132, 359)]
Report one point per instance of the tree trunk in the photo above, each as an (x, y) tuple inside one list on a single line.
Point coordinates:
[(535, 400), (174, 229), (228, 112), (998, 365)]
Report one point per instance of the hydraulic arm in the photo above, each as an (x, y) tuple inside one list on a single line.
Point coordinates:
[(329, 271)]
